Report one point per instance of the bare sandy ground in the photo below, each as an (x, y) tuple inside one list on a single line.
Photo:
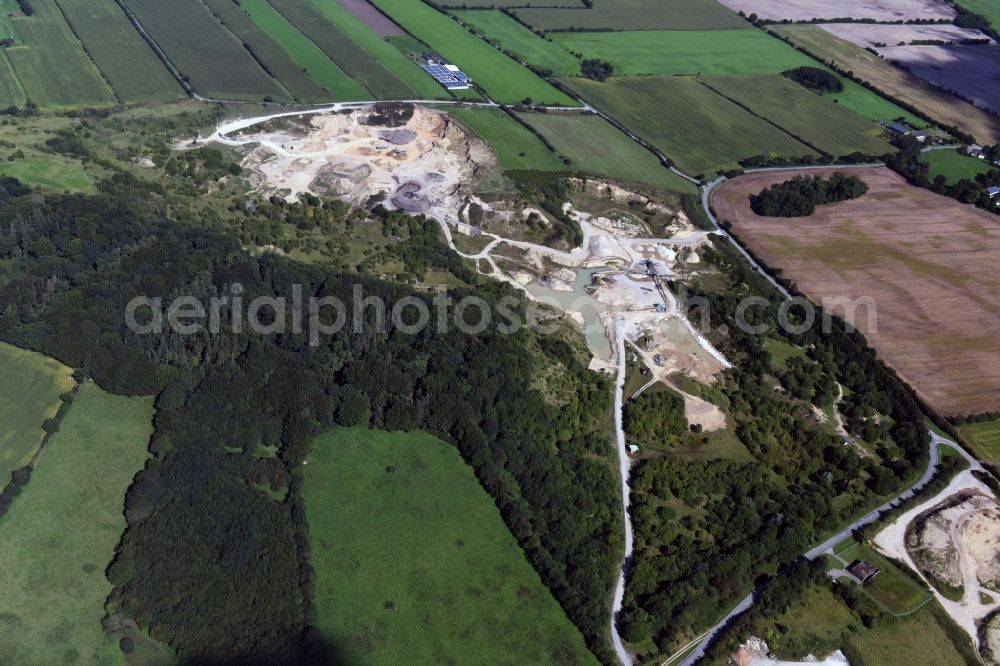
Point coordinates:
[(426, 166), (880, 10), (973, 72), (927, 261), (871, 35), (968, 611)]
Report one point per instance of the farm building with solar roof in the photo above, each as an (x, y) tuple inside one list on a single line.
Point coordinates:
[(448, 75)]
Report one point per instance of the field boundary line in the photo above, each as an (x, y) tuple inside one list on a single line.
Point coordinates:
[(167, 62), (249, 49), (16, 76), (90, 57), (766, 120), (319, 48)]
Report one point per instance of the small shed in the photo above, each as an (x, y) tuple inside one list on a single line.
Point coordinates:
[(863, 571)]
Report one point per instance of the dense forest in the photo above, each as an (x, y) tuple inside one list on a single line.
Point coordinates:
[(655, 418), (707, 528), (799, 196), (215, 560)]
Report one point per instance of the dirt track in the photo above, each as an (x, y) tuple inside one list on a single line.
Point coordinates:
[(929, 263)]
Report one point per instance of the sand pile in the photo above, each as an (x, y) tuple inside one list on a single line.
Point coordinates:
[(422, 162)]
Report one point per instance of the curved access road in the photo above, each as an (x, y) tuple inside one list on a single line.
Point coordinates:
[(827, 545), (624, 463)]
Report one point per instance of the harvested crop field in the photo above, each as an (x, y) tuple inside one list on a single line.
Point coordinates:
[(867, 34), (365, 12), (970, 71), (904, 86), (927, 261), (878, 10)]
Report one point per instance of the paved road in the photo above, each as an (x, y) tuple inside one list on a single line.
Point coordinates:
[(624, 462), (706, 192), (867, 519)]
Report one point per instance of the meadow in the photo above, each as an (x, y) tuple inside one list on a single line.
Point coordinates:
[(805, 115), (325, 81), (205, 51), (517, 39), (515, 145), (275, 45), (892, 589), (414, 563), (985, 438), (341, 49), (595, 146), (61, 533), (699, 130), (8, 10), (988, 8), (123, 57), (908, 88), (954, 166), (52, 66), (686, 52), (635, 15), (11, 91), (29, 395), (821, 622), (382, 50), (503, 79)]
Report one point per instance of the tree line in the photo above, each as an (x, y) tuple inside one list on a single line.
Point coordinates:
[(210, 562)]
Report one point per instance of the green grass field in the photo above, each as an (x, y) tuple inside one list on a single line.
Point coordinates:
[(516, 146), (503, 79), (686, 52), (306, 55), (517, 39), (205, 51), (821, 623), (698, 129), (29, 395), (60, 534), (11, 90), (341, 49), (8, 10), (380, 48), (127, 62), (954, 166), (52, 66), (985, 437), (988, 8), (633, 15), (893, 589), (595, 146), (51, 172), (275, 45), (414, 563), (862, 101), (804, 114)]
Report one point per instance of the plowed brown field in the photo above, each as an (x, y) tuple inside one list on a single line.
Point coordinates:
[(931, 264)]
